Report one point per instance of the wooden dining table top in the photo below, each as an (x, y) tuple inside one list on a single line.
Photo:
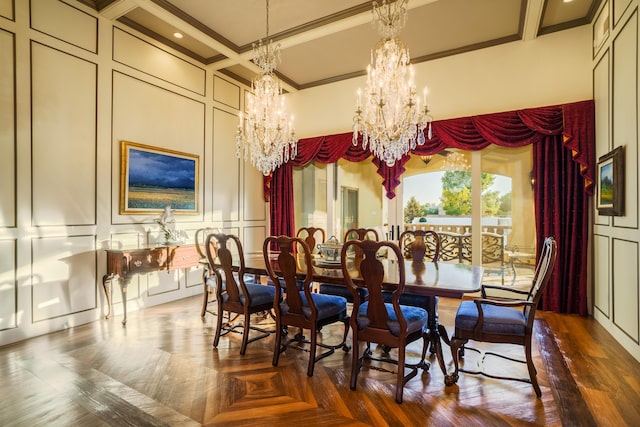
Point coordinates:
[(421, 278)]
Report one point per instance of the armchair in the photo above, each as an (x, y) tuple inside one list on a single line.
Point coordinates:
[(503, 321)]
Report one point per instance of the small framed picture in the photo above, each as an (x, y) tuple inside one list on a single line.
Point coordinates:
[(610, 188)]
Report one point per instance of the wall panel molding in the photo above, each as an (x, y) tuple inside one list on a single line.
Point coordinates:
[(147, 58), (625, 292), (64, 127), (226, 184), (8, 125), (226, 92), (8, 285), (625, 114), (51, 17), (63, 282), (602, 256)]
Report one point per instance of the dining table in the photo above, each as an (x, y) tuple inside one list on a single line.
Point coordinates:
[(429, 279)]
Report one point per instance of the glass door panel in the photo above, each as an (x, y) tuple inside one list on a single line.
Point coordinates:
[(310, 195), (360, 197), (508, 225)]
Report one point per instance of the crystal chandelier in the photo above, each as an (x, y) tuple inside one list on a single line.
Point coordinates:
[(455, 161), (266, 134), (390, 118)]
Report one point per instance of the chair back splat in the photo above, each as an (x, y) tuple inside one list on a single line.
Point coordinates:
[(312, 236), (503, 315), (303, 309), (392, 325), (236, 295), (420, 246)]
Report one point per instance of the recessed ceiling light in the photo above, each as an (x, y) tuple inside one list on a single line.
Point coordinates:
[(177, 35), (567, 1)]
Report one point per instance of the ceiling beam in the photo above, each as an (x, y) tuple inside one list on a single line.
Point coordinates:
[(117, 9), (532, 19)]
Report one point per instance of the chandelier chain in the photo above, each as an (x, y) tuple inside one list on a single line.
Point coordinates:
[(265, 134), (391, 119)]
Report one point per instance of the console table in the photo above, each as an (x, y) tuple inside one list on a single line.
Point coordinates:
[(124, 263)]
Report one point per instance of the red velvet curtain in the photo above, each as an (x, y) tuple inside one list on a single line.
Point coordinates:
[(564, 165)]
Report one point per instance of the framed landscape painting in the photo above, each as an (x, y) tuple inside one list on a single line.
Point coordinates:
[(152, 178), (610, 195)]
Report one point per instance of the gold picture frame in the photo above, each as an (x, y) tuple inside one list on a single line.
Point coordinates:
[(152, 178)]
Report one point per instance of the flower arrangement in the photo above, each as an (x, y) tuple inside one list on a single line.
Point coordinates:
[(167, 223)]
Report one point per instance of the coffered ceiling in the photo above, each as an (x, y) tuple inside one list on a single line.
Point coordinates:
[(323, 41)]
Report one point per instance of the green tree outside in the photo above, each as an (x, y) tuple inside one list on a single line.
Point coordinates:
[(456, 195), (412, 210)]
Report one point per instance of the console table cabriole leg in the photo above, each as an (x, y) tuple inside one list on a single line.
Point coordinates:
[(107, 278), (124, 284)]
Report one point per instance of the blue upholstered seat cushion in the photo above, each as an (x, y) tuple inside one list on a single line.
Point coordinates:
[(260, 294), (327, 305), (343, 291), (497, 320), (416, 318)]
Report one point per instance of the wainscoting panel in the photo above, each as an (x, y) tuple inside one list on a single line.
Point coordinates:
[(619, 6), (63, 276), (8, 285), (602, 255), (625, 287), (255, 208), (602, 98), (63, 128), (164, 281), (226, 168), (6, 9), (226, 92), (254, 238), (52, 17), (8, 133), (625, 114), (149, 59)]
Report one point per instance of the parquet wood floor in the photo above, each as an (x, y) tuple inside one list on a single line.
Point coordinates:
[(162, 371)]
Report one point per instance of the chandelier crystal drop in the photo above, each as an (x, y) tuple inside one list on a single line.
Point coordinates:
[(391, 118), (265, 134)]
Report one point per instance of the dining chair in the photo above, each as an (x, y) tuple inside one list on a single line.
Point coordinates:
[(226, 259), (503, 320), (312, 237), (333, 289), (303, 309), (208, 280), (361, 234), (392, 325)]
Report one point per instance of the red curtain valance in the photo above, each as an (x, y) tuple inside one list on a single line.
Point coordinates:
[(507, 129)]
